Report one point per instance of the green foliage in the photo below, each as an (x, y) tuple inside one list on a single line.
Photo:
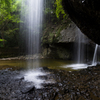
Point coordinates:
[(59, 9), (48, 10), (5, 3), (1, 40), (9, 18), (8, 11), (54, 11)]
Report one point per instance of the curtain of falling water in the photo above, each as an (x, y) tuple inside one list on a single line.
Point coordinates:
[(34, 23), (94, 62), (80, 47), (32, 15)]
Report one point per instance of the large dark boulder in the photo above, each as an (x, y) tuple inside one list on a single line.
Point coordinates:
[(86, 15)]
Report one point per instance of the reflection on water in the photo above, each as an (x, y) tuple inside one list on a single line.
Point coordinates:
[(50, 63), (22, 64)]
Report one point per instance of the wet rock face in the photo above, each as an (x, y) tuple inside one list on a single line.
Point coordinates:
[(71, 34), (86, 15), (58, 51)]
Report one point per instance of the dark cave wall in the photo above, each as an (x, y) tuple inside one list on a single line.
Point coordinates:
[(86, 15)]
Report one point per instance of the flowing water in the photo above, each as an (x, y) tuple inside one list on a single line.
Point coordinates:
[(33, 11), (79, 51), (34, 24), (80, 46), (94, 62), (32, 18), (80, 42)]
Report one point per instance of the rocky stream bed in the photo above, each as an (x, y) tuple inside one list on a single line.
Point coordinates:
[(76, 85)]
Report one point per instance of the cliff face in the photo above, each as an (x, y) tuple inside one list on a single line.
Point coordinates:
[(86, 15), (52, 31), (58, 40), (63, 32)]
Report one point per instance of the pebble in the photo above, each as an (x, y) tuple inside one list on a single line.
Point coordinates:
[(66, 87)]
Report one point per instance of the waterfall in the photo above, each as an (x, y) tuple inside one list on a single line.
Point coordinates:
[(80, 46), (94, 62), (32, 16), (79, 51), (34, 25)]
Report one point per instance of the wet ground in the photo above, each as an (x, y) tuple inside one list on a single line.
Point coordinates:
[(68, 85)]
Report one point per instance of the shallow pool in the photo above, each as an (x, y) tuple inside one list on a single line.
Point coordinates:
[(31, 64)]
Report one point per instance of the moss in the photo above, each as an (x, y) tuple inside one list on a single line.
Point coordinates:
[(51, 32)]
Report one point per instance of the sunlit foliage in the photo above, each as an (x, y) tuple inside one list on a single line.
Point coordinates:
[(9, 17), (59, 9)]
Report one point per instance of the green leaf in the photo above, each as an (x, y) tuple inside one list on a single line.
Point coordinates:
[(2, 40), (59, 9)]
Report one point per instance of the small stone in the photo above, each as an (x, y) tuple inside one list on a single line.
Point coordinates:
[(27, 89), (82, 92), (78, 93), (59, 84)]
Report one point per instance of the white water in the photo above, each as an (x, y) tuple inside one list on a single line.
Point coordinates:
[(79, 51), (80, 46), (32, 76), (76, 66), (32, 16), (94, 62), (34, 25), (33, 11)]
